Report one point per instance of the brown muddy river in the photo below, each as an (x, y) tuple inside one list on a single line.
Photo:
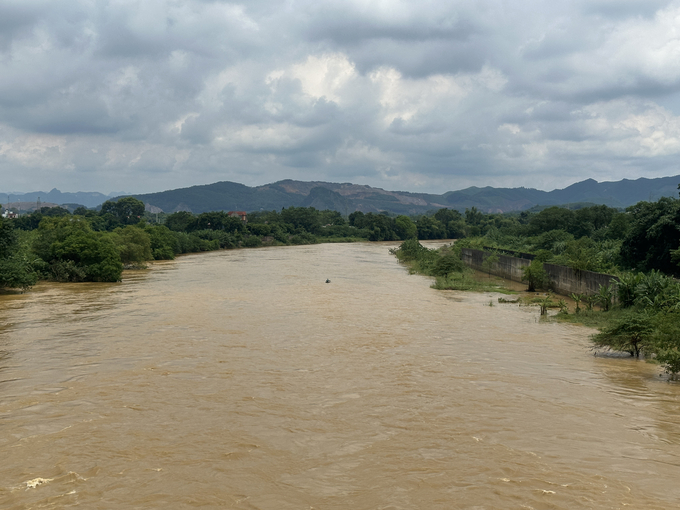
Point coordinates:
[(241, 380)]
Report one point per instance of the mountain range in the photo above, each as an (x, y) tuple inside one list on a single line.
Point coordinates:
[(28, 201), (348, 197)]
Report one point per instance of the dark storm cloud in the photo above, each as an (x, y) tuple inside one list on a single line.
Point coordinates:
[(154, 94)]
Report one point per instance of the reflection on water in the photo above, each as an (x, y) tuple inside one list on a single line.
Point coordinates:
[(240, 379)]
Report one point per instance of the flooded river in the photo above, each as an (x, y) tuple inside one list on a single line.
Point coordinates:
[(240, 379)]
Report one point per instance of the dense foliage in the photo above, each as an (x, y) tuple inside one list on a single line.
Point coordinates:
[(16, 262)]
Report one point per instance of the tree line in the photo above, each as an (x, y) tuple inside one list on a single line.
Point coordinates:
[(91, 245), (88, 245)]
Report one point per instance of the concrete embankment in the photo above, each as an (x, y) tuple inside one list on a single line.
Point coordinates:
[(565, 280)]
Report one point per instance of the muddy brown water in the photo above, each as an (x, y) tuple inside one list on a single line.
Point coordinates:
[(241, 380)]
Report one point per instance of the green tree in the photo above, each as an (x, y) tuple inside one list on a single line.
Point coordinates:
[(133, 243), (252, 242), (8, 238), (449, 262), (52, 212), (17, 272), (665, 342), (629, 334), (305, 218), (127, 210), (430, 228), (16, 267), (473, 217), (216, 220), (583, 255), (444, 215), (619, 226), (82, 211), (554, 240), (589, 220), (164, 244), (653, 234), (75, 252), (28, 221), (179, 221), (535, 276), (405, 228), (552, 218)]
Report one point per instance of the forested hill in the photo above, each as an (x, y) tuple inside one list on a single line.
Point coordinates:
[(347, 198)]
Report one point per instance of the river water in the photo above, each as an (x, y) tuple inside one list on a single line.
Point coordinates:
[(239, 379)]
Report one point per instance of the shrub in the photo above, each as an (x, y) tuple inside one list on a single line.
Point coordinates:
[(449, 262), (535, 276), (252, 242)]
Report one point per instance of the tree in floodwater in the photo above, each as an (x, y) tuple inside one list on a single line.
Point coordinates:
[(133, 243), (630, 334), (16, 268), (74, 252), (665, 343)]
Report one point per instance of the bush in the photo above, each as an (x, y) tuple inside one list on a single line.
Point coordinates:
[(252, 242), (410, 250), (448, 263), (303, 238), (163, 243), (133, 243), (666, 342), (535, 276), (75, 252), (17, 272), (627, 289), (16, 267)]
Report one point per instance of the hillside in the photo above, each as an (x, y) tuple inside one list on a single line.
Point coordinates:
[(347, 197), (86, 198)]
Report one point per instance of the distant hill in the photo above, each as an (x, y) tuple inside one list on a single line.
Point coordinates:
[(347, 198), (86, 198)]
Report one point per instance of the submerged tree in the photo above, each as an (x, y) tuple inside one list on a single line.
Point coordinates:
[(630, 334)]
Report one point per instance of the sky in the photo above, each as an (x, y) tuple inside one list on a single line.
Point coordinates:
[(428, 96)]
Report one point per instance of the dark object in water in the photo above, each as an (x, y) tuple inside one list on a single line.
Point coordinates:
[(328, 281)]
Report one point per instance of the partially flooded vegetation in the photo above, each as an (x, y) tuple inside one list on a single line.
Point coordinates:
[(636, 314)]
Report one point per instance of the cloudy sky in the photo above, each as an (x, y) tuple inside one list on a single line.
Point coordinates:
[(148, 95)]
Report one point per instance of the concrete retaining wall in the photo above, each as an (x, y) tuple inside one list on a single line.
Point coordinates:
[(564, 279)]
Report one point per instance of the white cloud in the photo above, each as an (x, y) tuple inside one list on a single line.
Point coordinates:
[(388, 92), (324, 76)]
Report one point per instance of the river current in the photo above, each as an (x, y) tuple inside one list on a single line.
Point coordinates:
[(240, 379)]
